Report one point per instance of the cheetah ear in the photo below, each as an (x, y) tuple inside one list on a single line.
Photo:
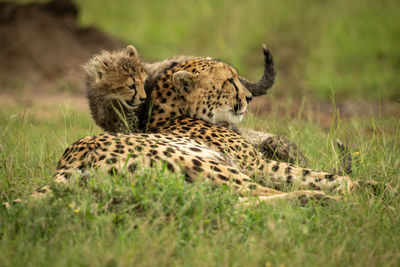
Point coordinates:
[(99, 67), (94, 69), (100, 64), (183, 81), (131, 51)]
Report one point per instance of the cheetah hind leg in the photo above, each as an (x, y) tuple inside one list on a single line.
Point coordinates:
[(244, 186)]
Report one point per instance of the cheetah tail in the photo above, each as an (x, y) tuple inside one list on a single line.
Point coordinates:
[(346, 159)]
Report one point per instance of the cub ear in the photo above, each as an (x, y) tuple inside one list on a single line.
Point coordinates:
[(100, 67), (183, 81), (95, 68), (131, 51), (100, 64)]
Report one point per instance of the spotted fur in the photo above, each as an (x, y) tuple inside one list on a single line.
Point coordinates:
[(208, 90), (115, 89), (133, 153), (110, 77), (183, 136)]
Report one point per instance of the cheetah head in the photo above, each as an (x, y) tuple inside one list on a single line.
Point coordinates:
[(116, 75), (212, 91)]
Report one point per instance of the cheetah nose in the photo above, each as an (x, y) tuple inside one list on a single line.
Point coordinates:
[(249, 98), (142, 99)]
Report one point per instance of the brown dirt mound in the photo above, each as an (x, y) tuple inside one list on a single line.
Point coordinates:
[(42, 46)]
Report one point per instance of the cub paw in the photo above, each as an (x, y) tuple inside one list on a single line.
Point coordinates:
[(280, 148)]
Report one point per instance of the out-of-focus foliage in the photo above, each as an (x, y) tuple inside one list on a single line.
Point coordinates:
[(348, 48)]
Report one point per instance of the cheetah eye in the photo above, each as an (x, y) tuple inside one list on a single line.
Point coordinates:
[(132, 86)]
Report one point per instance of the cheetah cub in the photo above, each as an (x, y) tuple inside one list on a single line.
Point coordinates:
[(115, 89)]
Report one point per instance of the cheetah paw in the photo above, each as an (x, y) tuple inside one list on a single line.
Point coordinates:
[(280, 148)]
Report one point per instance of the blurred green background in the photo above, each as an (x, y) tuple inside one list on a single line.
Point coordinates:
[(348, 48), (322, 48)]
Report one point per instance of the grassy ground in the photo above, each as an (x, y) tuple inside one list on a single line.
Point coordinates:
[(158, 219), (349, 49)]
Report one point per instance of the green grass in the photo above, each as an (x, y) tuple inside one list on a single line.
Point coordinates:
[(322, 48), (158, 219)]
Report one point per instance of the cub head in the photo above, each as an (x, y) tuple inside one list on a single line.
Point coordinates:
[(115, 89), (117, 75), (212, 91)]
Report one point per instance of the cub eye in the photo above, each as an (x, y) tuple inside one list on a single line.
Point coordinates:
[(132, 86)]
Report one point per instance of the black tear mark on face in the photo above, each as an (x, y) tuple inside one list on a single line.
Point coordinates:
[(100, 74), (236, 107), (132, 86)]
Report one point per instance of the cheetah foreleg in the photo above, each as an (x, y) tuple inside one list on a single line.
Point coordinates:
[(281, 175), (302, 196)]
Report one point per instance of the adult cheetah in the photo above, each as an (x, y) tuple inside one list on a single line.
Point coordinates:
[(180, 137), (114, 77)]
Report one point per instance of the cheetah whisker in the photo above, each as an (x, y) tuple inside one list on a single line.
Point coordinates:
[(122, 100)]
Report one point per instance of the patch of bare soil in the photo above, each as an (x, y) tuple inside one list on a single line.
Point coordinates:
[(42, 46), (324, 112), (44, 106)]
